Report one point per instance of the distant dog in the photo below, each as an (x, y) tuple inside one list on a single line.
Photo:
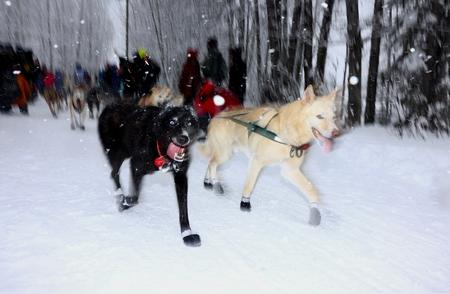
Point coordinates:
[(283, 137), (53, 102), (155, 139), (98, 98), (77, 107), (161, 96)]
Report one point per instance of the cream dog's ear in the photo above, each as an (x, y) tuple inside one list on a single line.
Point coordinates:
[(336, 92), (308, 95)]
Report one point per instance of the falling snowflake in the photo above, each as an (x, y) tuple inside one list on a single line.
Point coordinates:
[(324, 5), (8, 3), (55, 46), (412, 49), (82, 21), (271, 50), (353, 80)]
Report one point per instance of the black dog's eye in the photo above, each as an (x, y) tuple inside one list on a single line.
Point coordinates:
[(189, 123), (319, 116), (172, 122)]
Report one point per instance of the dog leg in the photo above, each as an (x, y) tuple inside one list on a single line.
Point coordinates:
[(83, 117), (296, 177), (91, 112), (115, 160), (97, 104), (181, 187), (72, 117), (135, 185), (210, 182), (254, 170)]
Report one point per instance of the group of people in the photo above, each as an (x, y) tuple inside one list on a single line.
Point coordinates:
[(22, 77), (214, 69), (17, 76)]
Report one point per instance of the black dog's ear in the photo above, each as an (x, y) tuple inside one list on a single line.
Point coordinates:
[(191, 110), (164, 111)]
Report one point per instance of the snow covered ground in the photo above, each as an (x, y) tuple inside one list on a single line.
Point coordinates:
[(385, 229)]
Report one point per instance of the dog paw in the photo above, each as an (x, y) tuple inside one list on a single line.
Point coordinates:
[(127, 202), (218, 189), (207, 185), (192, 240), (314, 216), (246, 206)]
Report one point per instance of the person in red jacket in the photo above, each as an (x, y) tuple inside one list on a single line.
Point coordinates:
[(210, 100), (190, 79), (50, 94)]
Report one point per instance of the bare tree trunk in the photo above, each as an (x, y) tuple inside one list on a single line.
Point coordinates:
[(354, 63), (231, 18), (159, 38), (274, 15), (341, 115), (294, 37), (323, 43), (80, 30), (126, 28), (50, 47), (284, 41), (259, 68), (369, 115), (241, 23), (307, 40)]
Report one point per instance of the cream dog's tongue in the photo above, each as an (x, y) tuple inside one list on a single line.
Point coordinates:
[(327, 144)]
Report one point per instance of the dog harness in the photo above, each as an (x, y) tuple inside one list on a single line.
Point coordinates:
[(176, 154), (253, 127)]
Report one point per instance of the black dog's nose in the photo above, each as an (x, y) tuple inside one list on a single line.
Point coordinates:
[(182, 139)]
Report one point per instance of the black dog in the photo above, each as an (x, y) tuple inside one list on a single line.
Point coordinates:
[(97, 95), (155, 139)]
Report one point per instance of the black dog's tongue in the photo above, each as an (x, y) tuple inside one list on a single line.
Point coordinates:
[(175, 152)]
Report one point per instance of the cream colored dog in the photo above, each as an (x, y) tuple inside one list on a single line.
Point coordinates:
[(160, 96), (294, 124), (77, 108)]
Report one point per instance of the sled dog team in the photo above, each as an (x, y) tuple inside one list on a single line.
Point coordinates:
[(160, 139)]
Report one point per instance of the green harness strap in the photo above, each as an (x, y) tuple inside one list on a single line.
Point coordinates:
[(252, 127)]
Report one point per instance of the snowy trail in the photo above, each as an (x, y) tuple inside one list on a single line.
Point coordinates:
[(386, 220)]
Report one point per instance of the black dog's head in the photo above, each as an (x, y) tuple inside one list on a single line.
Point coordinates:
[(178, 124)]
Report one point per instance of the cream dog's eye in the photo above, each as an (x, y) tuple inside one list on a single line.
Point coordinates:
[(319, 116)]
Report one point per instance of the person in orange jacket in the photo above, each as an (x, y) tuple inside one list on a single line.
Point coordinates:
[(25, 93)]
